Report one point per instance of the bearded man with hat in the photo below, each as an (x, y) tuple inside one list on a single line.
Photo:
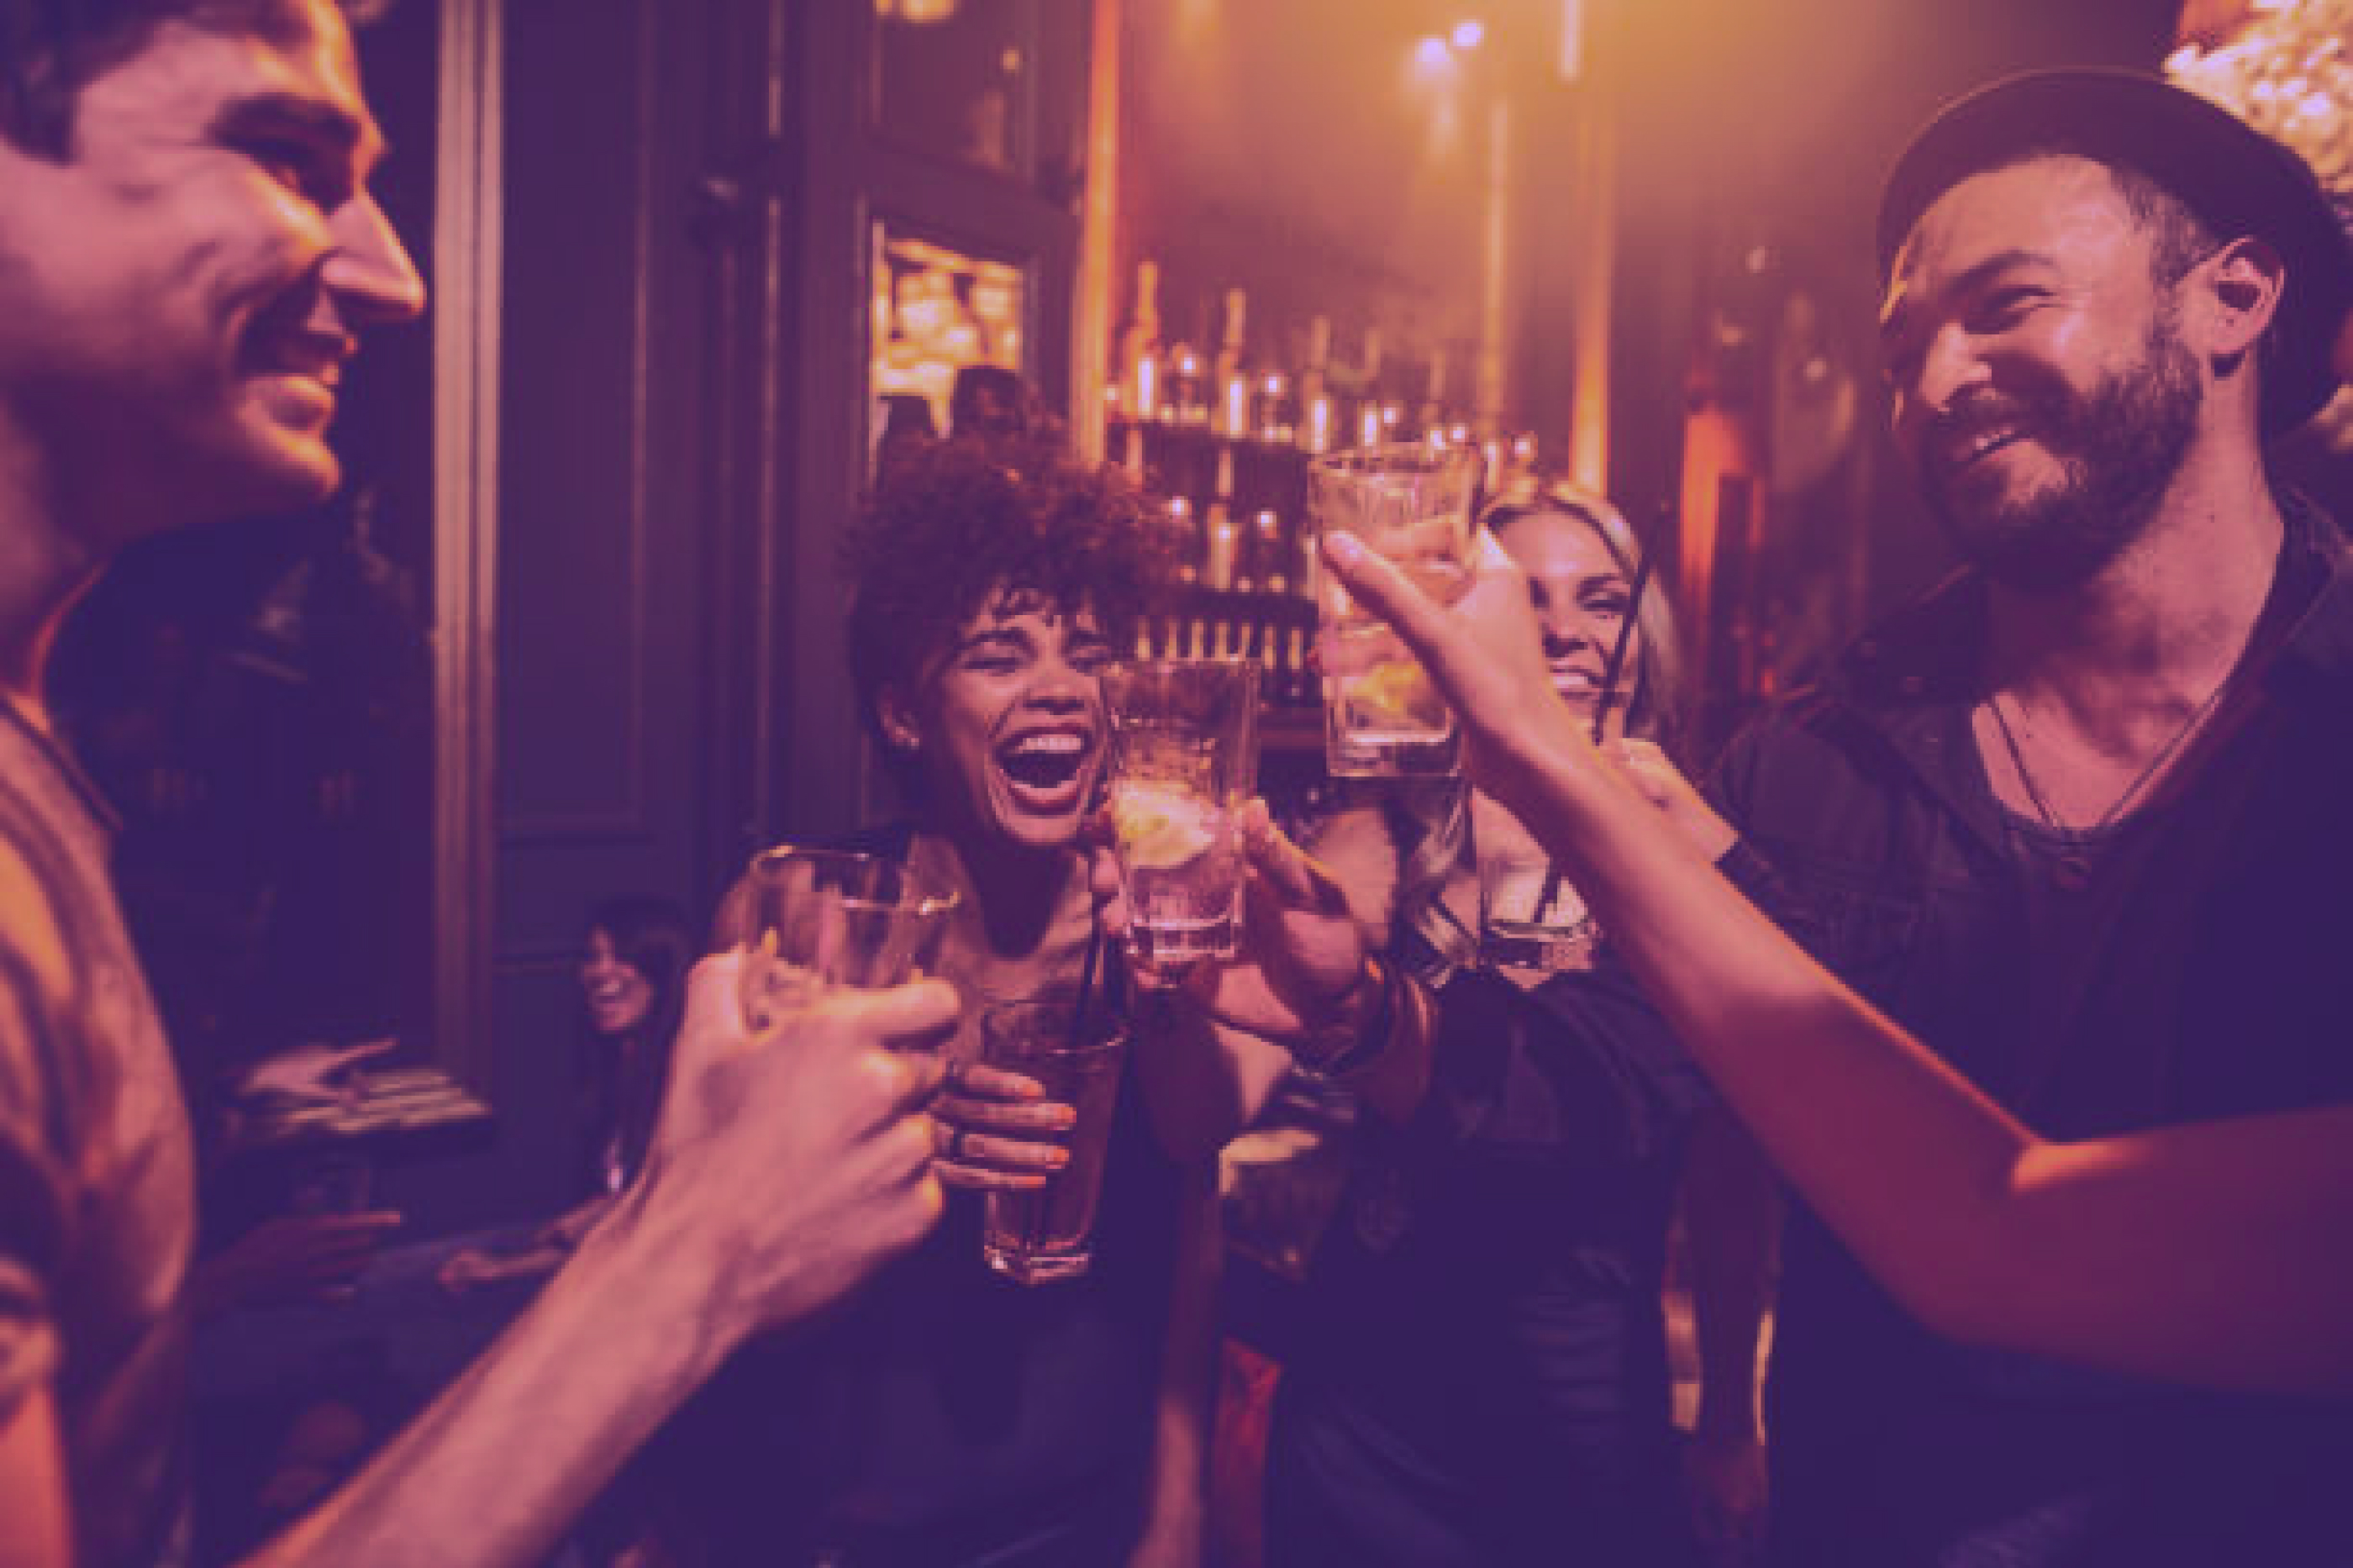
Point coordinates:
[(2078, 818)]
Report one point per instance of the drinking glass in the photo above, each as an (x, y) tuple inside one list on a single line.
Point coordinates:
[(1184, 755), (1075, 1054), (817, 919), (1382, 716), (1530, 916)]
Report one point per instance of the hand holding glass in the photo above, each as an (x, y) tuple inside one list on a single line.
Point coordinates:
[(1075, 1055), (1382, 716)]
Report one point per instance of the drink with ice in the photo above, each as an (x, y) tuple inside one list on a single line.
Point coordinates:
[(1382, 715), (1383, 718), (1184, 757), (1181, 868)]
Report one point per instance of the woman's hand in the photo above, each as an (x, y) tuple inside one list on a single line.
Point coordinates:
[(1665, 786), (998, 1130), (1302, 954), (289, 1259)]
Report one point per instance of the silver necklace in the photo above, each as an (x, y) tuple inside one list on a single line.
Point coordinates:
[(2072, 867)]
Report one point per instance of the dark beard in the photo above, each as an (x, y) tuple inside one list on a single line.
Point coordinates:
[(2120, 448)]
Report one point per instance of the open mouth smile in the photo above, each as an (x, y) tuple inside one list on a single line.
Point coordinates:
[(1574, 679), (1047, 768)]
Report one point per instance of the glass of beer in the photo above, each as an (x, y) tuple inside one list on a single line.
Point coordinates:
[(1075, 1054), (1184, 755), (815, 919), (1383, 718)]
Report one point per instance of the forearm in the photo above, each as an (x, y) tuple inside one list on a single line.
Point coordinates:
[(1176, 1496), (1203, 1082), (1906, 1159), (2107, 1252), (503, 1461)]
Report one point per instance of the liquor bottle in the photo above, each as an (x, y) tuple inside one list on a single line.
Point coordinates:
[(1222, 541), (1370, 429), (1186, 399), (1267, 553), (1317, 416), (1433, 398), (1221, 538), (1233, 389), (1180, 520), (1270, 410), (1139, 359)]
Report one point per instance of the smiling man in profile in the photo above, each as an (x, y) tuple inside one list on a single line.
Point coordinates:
[(2077, 819), (188, 255)]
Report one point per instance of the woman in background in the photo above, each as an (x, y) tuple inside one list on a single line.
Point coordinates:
[(633, 962)]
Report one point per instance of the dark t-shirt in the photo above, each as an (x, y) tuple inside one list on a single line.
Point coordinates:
[(97, 1211), (2198, 973), (945, 1415)]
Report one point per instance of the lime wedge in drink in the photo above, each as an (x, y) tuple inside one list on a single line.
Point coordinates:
[(1398, 691), (1160, 827)]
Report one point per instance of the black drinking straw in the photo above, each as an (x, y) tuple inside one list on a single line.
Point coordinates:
[(1616, 668), (1086, 989)]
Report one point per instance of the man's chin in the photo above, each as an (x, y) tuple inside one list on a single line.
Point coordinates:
[(2040, 557)]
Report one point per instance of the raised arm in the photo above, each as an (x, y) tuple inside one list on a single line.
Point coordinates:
[(2107, 1252), (783, 1172)]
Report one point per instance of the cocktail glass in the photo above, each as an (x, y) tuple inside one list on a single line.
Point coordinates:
[(817, 919), (1382, 716), (1075, 1055), (1184, 755)]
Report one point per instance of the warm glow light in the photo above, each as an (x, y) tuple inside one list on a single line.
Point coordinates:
[(1469, 34), (1432, 55)]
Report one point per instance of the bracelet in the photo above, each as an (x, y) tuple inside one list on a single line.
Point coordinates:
[(1352, 1047)]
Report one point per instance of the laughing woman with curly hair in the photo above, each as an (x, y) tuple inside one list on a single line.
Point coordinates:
[(950, 1416)]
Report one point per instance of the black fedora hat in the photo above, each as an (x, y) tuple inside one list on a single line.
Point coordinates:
[(2237, 180)]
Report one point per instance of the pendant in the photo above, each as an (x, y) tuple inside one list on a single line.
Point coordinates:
[(2071, 873)]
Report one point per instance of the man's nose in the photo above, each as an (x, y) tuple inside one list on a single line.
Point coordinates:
[(369, 271), (1949, 365)]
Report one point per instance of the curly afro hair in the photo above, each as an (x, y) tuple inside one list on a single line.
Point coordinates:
[(959, 522)]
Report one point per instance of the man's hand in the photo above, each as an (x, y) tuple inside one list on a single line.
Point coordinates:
[(1486, 656), (791, 1166)]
